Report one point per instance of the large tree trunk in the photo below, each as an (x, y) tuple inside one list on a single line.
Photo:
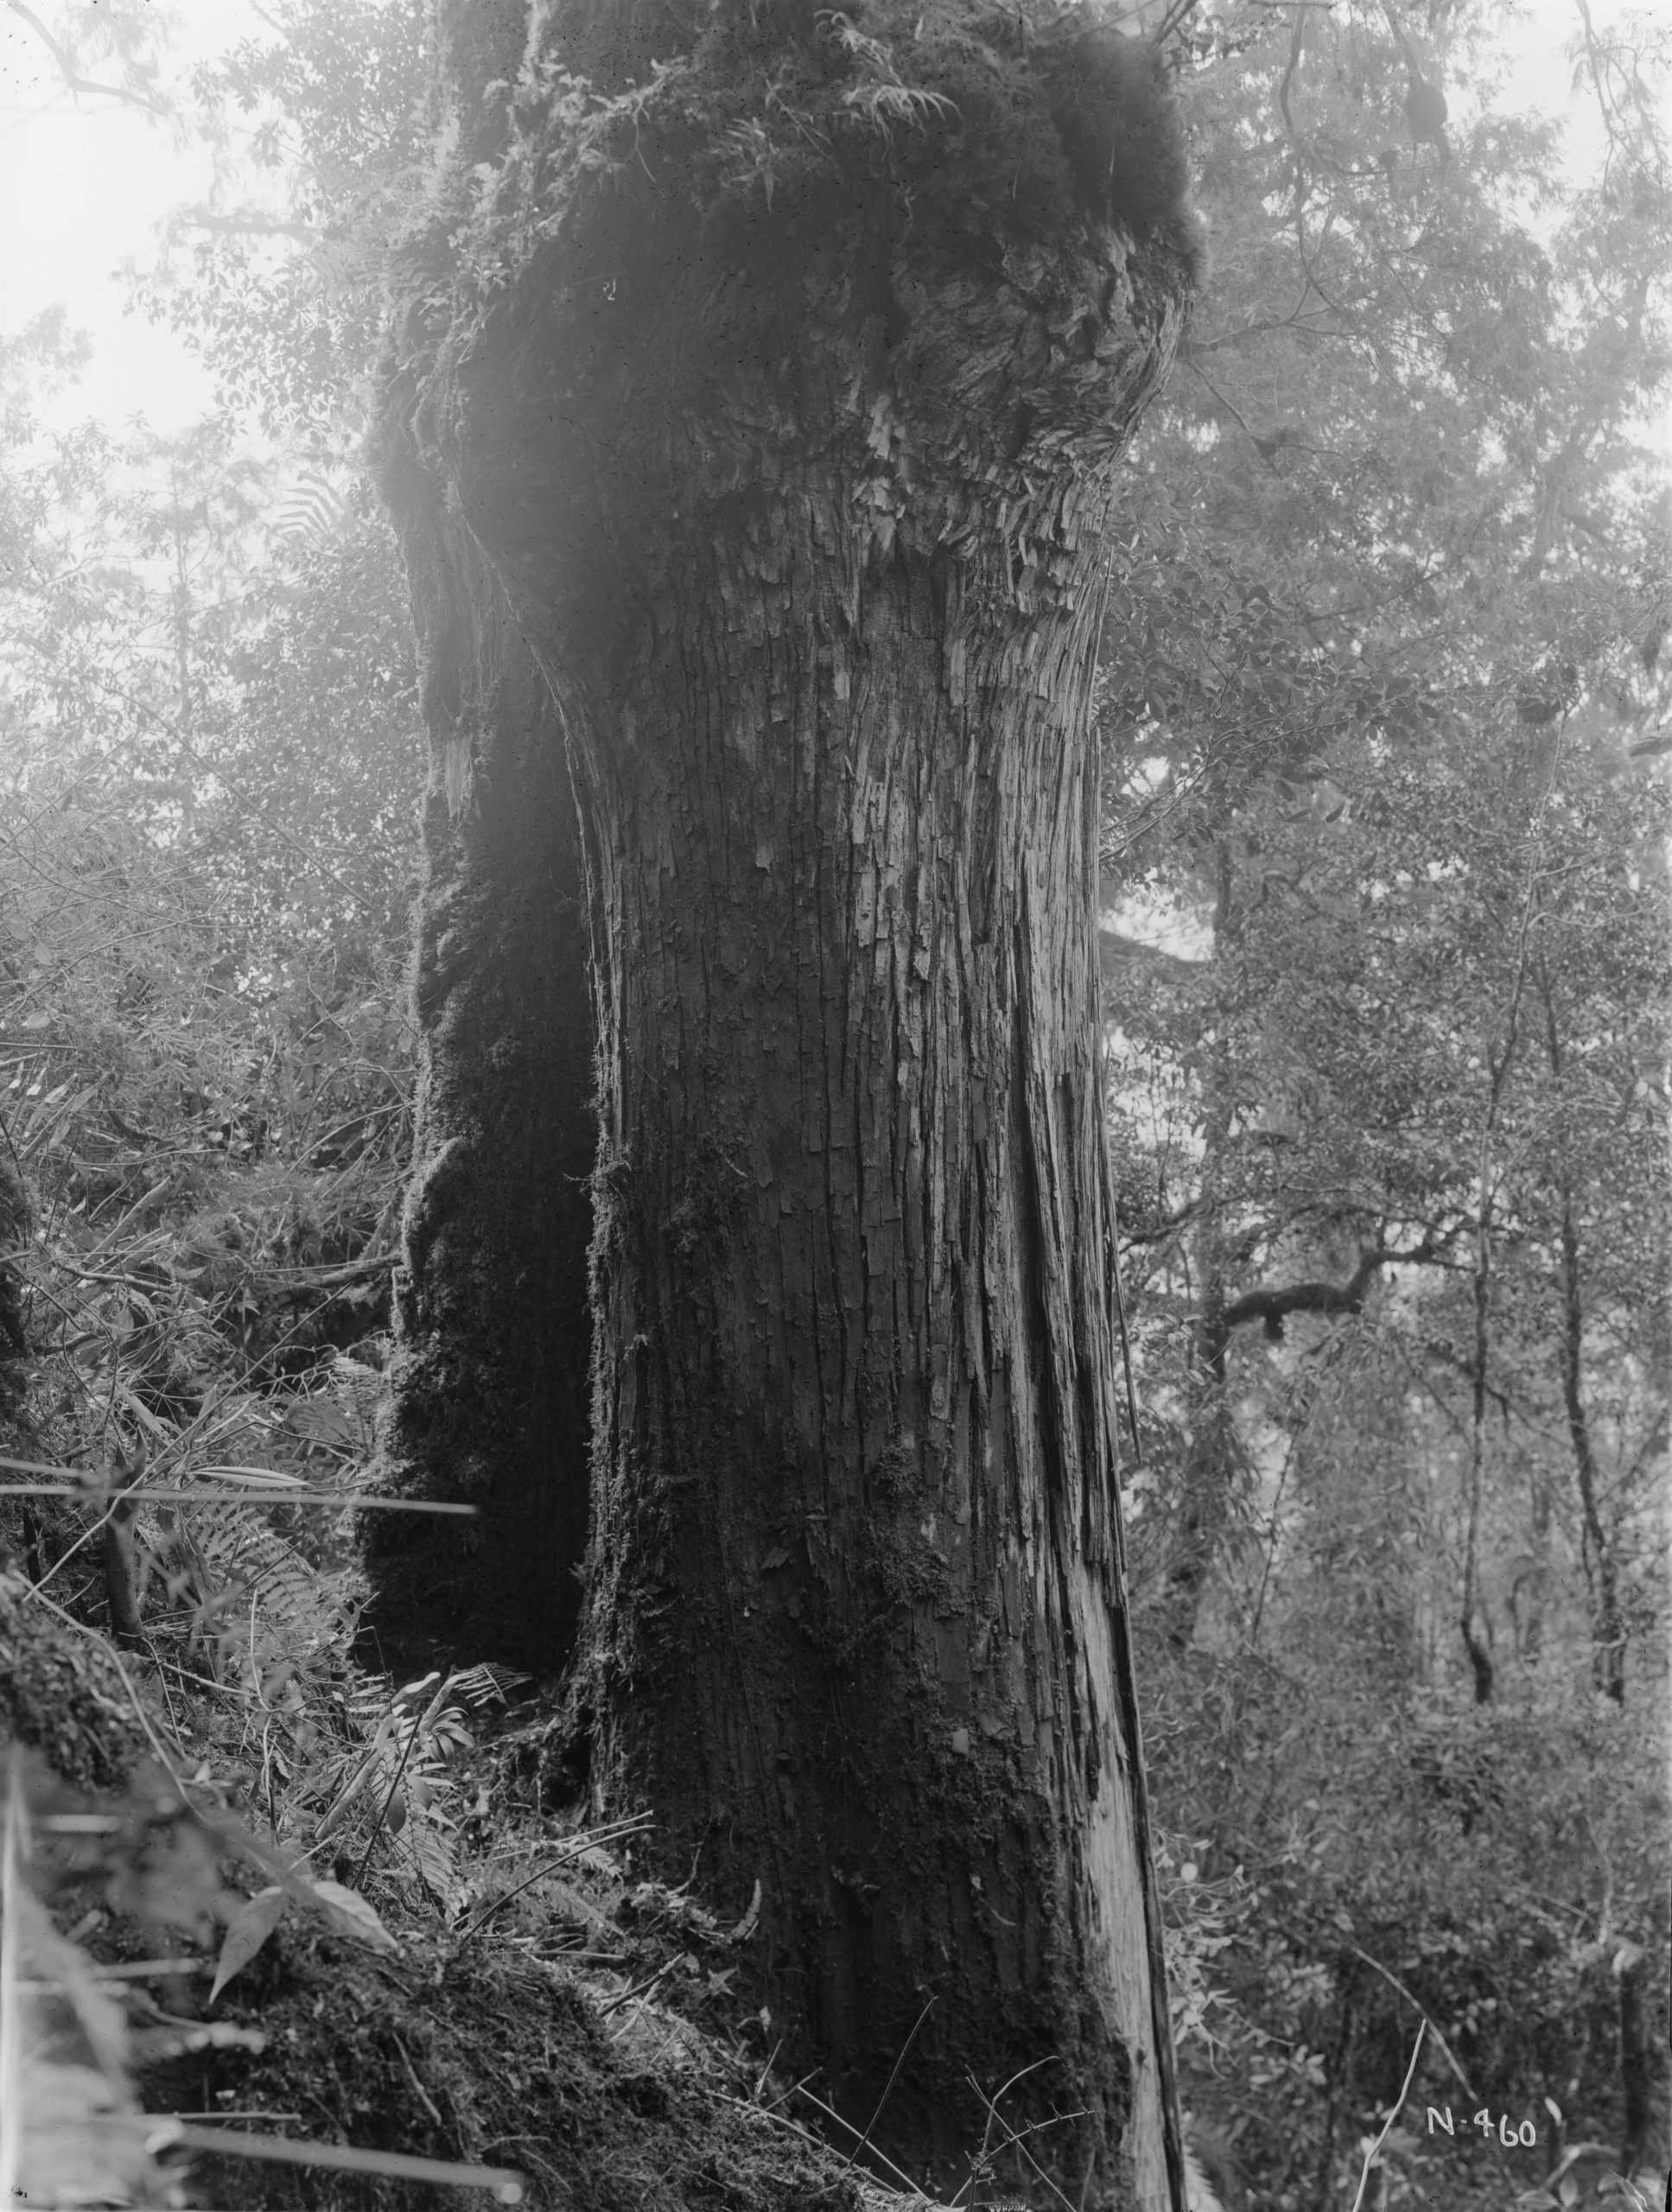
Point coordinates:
[(799, 487)]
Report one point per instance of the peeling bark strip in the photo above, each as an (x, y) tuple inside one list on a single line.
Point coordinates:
[(792, 445)]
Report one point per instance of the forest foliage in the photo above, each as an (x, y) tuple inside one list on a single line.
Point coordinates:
[(1382, 707)]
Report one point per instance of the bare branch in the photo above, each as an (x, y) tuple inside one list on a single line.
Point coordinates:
[(73, 78)]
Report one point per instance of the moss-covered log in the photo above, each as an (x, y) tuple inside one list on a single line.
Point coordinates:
[(773, 366)]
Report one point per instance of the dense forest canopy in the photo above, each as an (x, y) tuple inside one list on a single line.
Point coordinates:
[(1379, 707)]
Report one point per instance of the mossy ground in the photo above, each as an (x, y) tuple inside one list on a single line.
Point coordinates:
[(579, 2026), (472, 2050)]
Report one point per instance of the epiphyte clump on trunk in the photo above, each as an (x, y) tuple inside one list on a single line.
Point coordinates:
[(1124, 138)]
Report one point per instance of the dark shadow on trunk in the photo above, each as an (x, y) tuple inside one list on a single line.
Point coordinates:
[(490, 1384)]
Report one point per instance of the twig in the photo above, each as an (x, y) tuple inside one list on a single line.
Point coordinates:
[(424, 2098), (638, 1989), (754, 2095), (344, 1271), (1394, 1982), (790, 2092), (831, 2114), (1410, 2076), (992, 2115), (389, 1798), (893, 2077), (588, 1837), (1012, 2138), (783, 2119)]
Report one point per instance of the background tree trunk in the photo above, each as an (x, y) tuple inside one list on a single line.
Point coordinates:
[(801, 498), (1211, 1464)]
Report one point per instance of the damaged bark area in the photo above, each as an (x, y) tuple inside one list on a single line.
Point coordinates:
[(779, 399)]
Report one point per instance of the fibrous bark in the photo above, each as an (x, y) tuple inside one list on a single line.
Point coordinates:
[(786, 422)]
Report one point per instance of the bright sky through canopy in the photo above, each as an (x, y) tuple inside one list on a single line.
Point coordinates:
[(84, 182)]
